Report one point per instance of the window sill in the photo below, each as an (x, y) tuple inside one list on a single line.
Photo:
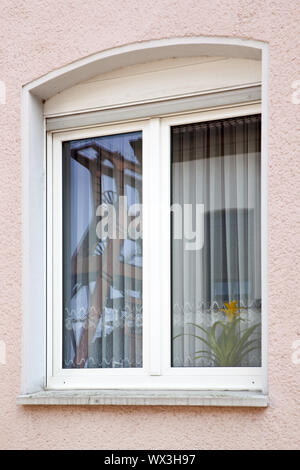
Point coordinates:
[(146, 397)]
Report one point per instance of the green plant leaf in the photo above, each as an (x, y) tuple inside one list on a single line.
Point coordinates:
[(198, 326), (213, 341), (245, 353), (195, 336), (205, 357), (227, 345), (238, 349), (209, 353)]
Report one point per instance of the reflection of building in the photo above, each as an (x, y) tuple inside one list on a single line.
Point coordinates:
[(113, 267)]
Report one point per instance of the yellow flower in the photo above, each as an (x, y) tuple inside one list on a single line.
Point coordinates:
[(231, 309)]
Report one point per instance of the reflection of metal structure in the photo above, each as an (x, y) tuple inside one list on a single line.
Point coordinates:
[(104, 263)]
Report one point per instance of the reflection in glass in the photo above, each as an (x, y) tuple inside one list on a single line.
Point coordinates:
[(217, 165), (102, 270)]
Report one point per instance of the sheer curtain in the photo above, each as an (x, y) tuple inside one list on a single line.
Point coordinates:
[(217, 164), (102, 276)]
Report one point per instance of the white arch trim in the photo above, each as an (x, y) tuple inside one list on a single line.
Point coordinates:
[(34, 167), (133, 54)]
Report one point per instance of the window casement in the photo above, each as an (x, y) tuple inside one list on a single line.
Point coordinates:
[(154, 250)]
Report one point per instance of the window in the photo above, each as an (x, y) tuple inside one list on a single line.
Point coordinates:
[(154, 253), (102, 259), (216, 278)]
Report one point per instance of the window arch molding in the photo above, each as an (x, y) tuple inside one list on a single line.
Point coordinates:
[(34, 166)]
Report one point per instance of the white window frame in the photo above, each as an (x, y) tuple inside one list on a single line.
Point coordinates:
[(157, 373)]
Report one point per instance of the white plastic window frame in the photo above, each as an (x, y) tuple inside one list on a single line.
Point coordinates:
[(157, 373)]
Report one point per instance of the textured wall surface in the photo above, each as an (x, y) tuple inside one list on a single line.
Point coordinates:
[(37, 36)]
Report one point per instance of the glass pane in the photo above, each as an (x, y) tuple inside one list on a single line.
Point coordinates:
[(102, 252), (216, 243)]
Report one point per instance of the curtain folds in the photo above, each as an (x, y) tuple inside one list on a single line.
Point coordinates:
[(216, 164)]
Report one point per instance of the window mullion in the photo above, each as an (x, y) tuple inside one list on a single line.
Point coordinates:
[(152, 246), (165, 245)]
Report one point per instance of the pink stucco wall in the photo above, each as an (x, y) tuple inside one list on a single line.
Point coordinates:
[(37, 36)]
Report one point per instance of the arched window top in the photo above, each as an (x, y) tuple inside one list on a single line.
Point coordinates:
[(156, 81), (138, 53)]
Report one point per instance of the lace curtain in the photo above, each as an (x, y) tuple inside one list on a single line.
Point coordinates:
[(216, 164)]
